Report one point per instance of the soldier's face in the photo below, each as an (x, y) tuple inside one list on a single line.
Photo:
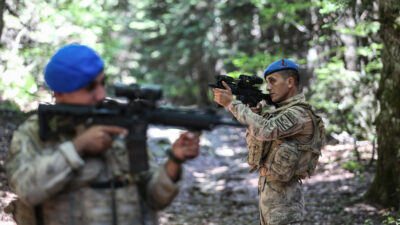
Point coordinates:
[(278, 87), (91, 94)]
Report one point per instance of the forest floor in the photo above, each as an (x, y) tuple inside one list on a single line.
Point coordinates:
[(217, 188)]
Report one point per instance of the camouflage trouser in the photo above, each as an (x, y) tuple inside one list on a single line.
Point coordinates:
[(280, 203), (289, 223)]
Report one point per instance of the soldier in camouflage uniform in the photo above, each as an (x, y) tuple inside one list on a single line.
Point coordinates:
[(284, 143), (85, 178)]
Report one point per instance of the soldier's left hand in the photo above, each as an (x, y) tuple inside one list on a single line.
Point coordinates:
[(257, 109), (223, 97), (187, 146)]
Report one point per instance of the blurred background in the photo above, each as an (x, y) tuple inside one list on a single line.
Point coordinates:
[(347, 51), (182, 45)]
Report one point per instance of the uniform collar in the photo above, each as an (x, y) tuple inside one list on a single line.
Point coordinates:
[(298, 97)]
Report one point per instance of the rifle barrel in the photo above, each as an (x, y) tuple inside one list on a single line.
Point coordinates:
[(190, 119)]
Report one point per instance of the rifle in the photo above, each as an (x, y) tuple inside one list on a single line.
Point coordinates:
[(135, 116), (244, 88)]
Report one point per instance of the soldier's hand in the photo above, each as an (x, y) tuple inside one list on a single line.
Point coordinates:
[(187, 146), (96, 139), (257, 109), (223, 97)]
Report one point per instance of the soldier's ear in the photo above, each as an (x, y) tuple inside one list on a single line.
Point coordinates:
[(59, 96), (291, 82)]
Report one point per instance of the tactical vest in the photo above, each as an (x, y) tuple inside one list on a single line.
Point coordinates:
[(303, 157)]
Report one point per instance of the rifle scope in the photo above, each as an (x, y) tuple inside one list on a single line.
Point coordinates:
[(134, 91), (250, 80)]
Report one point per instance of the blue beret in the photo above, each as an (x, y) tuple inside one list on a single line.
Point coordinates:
[(72, 68), (282, 64)]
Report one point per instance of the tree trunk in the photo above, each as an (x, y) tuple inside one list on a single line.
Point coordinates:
[(205, 70), (349, 41), (2, 8), (385, 189)]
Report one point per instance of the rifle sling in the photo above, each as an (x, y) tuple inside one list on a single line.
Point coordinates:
[(39, 215)]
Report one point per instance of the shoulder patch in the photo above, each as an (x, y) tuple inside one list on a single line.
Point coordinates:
[(286, 121)]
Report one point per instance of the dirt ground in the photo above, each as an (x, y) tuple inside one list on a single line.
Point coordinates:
[(217, 188)]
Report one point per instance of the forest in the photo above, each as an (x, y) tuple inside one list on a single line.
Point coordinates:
[(348, 52)]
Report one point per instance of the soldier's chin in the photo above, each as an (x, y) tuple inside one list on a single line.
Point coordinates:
[(273, 98), (276, 100)]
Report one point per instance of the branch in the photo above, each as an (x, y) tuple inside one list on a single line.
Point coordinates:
[(12, 12)]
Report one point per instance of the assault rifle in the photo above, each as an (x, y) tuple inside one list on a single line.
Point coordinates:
[(135, 116), (244, 88)]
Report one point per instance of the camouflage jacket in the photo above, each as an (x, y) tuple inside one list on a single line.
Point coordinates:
[(76, 190), (277, 137)]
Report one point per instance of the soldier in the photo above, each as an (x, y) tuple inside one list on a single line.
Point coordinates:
[(284, 144), (85, 178)]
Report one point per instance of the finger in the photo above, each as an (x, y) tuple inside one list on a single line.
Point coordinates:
[(191, 156), (114, 130), (218, 91), (190, 142), (226, 86), (192, 152), (106, 138), (196, 133), (217, 97), (180, 139), (191, 136)]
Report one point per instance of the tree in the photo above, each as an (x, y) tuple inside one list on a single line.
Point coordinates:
[(385, 188), (2, 7)]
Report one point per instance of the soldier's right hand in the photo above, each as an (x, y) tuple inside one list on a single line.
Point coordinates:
[(96, 139), (223, 97), (257, 109)]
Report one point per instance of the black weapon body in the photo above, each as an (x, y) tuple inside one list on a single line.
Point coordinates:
[(135, 116), (244, 88)]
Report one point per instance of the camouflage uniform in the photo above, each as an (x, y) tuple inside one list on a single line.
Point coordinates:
[(284, 145), (77, 190)]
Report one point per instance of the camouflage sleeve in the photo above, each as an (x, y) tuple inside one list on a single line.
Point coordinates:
[(36, 174), (161, 190), (291, 121)]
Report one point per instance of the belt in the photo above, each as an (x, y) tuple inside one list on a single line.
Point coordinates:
[(108, 184)]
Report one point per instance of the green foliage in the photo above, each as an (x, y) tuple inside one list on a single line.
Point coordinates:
[(368, 222), (348, 97), (332, 6), (353, 166), (16, 81), (390, 220), (42, 27), (183, 44), (362, 29), (9, 105), (257, 62), (283, 11)]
